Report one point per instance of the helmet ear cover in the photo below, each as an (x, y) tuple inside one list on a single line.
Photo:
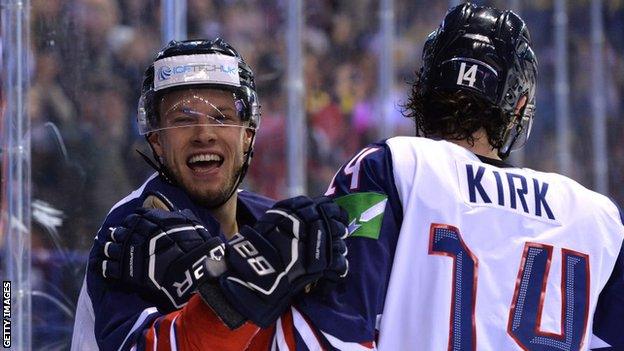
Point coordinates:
[(487, 52)]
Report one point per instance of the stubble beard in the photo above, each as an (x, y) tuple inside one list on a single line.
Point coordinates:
[(210, 199)]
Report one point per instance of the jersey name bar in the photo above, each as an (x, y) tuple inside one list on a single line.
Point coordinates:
[(491, 186)]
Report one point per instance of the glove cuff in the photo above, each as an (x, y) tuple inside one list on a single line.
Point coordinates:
[(212, 295)]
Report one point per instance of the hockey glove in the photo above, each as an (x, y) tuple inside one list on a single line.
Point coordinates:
[(159, 254), (290, 247), (336, 220)]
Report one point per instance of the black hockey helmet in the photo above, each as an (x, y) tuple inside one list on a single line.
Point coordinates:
[(197, 63), (488, 52), (192, 64)]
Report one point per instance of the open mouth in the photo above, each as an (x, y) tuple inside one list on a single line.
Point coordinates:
[(204, 162)]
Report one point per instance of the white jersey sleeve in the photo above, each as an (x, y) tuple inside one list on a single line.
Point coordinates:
[(83, 337)]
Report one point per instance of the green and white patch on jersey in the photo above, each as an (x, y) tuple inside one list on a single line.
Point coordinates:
[(366, 212)]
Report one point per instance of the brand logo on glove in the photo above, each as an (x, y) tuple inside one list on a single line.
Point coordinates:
[(246, 249), (317, 249), (197, 270), (217, 253), (131, 262)]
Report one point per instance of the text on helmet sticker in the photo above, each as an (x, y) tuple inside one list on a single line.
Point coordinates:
[(196, 69)]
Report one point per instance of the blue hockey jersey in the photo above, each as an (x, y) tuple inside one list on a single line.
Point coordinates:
[(110, 319)]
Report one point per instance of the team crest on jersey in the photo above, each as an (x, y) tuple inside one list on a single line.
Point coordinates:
[(366, 212)]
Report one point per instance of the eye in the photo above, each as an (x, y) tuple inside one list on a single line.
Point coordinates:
[(182, 119), (224, 118)]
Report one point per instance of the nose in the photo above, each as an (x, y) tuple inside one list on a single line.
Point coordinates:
[(204, 134)]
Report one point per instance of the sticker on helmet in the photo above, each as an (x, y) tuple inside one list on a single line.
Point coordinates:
[(470, 73), (196, 69)]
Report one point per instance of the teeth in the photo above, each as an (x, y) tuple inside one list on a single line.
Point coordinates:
[(205, 158)]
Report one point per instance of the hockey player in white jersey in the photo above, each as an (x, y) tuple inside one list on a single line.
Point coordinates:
[(450, 247)]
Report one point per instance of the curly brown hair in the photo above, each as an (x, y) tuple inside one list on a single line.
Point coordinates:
[(453, 115)]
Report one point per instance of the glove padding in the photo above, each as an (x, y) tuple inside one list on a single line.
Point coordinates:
[(337, 221), (291, 247), (159, 254)]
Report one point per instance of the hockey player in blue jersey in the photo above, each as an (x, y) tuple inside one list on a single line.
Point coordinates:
[(200, 113), (452, 248)]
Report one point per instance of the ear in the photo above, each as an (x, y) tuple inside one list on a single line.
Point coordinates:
[(154, 140), (247, 138), (522, 102)]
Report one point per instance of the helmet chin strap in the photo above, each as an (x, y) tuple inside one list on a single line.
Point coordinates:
[(514, 130), (156, 164), (241, 173)]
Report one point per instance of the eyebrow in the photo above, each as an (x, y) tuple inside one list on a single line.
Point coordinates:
[(181, 107)]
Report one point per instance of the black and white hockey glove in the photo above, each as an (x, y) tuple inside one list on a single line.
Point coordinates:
[(292, 246), (337, 221), (159, 254)]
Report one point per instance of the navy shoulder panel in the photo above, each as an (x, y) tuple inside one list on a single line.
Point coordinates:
[(609, 314), (370, 170), (255, 203), (350, 312)]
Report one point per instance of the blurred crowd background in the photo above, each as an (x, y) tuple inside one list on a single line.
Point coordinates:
[(88, 61)]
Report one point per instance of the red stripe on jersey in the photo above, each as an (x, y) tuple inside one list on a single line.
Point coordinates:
[(164, 331), (368, 344), (289, 330), (199, 328), (319, 338), (263, 340), (150, 338)]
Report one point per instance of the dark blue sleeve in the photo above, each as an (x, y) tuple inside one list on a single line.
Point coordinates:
[(609, 315), (122, 316), (116, 310), (364, 186)]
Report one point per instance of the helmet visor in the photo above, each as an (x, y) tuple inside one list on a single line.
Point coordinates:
[(195, 108), (518, 131), (523, 129)]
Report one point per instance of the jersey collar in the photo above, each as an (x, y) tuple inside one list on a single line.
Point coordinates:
[(495, 162)]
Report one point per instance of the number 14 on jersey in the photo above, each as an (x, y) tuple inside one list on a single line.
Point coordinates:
[(526, 304)]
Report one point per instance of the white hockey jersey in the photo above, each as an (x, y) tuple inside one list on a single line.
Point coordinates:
[(449, 251)]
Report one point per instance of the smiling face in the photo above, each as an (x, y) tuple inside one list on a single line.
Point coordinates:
[(206, 157)]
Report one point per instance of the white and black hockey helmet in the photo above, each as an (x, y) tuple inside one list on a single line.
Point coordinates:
[(488, 52), (192, 64), (197, 64)]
